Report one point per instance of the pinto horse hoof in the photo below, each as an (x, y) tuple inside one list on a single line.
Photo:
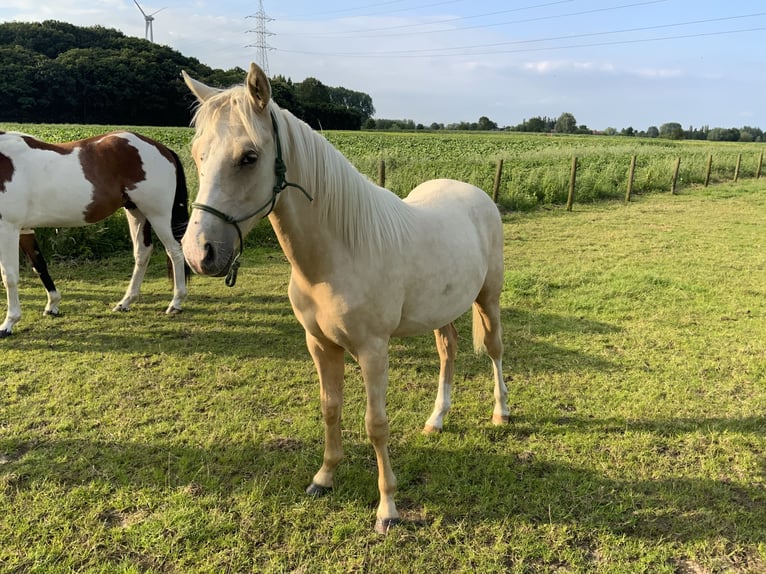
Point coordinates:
[(173, 311), (51, 313), (383, 525), (4, 334), (501, 419), (317, 490), (120, 309), (428, 429)]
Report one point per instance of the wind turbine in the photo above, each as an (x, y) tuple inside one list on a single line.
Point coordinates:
[(149, 18)]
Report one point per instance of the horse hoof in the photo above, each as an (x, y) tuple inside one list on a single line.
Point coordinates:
[(428, 429), (4, 334), (51, 313), (383, 525), (317, 490), (501, 419), (120, 309), (173, 311)]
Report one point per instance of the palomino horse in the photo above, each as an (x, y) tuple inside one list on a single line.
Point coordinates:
[(366, 266), (82, 182)]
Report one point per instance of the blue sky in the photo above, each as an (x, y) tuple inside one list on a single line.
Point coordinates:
[(612, 63)]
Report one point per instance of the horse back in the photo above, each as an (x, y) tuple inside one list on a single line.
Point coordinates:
[(84, 181)]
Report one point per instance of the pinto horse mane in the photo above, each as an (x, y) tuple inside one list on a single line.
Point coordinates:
[(364, 215)]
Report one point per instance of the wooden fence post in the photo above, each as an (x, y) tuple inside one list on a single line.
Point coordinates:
[(760, 165), (631, 173), (709, 169), (498, 176), (382, 173), (572, 177), (736, 168), (675, 176)]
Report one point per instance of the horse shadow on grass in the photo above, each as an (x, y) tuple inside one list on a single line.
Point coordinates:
[(459, 487), (264, 326)]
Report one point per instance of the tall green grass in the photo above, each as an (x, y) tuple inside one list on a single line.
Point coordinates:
[(536, 169)]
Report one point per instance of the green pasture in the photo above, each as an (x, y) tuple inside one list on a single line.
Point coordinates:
[(635, 359)]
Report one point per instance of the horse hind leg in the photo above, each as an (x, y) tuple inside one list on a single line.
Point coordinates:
[(488, 336), (141, 236), (9, 270), (446, 344), (31, 249)]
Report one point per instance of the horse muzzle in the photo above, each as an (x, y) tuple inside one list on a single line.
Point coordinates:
[(207, 257)]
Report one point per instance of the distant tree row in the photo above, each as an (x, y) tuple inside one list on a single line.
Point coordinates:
[(55, 72), (567, 124)]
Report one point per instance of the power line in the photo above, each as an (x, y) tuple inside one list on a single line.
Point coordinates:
[(379, 4), (361, 32), (414, 54)]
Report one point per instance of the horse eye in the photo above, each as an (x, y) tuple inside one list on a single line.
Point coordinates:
[(248, 158)]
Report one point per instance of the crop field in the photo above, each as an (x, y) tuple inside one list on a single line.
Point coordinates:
[(635, 356), (536, 167)]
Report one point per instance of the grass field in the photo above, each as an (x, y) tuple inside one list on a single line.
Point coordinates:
[(635, 359), (536, 168)]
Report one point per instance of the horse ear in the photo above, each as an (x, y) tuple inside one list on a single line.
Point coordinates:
[(199, 89), (259, 87)]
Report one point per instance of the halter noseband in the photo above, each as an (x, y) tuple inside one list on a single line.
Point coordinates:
[(281, 183)]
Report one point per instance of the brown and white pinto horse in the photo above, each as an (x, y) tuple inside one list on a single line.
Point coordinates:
[(81, 182), (365, 265)]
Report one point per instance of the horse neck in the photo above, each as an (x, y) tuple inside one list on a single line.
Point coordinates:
[(345, 215)]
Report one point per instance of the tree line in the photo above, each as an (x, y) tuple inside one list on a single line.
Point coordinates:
[(55, 72), (566, 123)]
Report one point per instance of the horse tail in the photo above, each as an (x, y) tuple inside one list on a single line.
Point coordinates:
[(179, 217), (479, 331)]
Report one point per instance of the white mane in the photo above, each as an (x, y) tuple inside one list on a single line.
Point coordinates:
[(363, 214)]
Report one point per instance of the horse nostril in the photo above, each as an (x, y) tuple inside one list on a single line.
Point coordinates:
[(209, 251)]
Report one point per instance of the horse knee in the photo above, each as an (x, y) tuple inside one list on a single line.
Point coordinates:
[(377, 427)]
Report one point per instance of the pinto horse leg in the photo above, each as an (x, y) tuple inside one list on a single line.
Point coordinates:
[(176, 256), (329, 361), (140, 235), (488, 333), (31, 249), (373, 360), (9, 269), (446, 344)]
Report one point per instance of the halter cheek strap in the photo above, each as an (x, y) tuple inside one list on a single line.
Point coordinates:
[(280, 169)]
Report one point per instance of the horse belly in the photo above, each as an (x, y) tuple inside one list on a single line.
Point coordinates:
[(439, 298)]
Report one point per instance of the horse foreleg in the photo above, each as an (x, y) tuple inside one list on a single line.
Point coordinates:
[(31, 249), (329, 361), (9, 269), (141, 237), (446, 344), (373, 361)]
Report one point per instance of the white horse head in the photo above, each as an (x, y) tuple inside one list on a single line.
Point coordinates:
[(234, 150)]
